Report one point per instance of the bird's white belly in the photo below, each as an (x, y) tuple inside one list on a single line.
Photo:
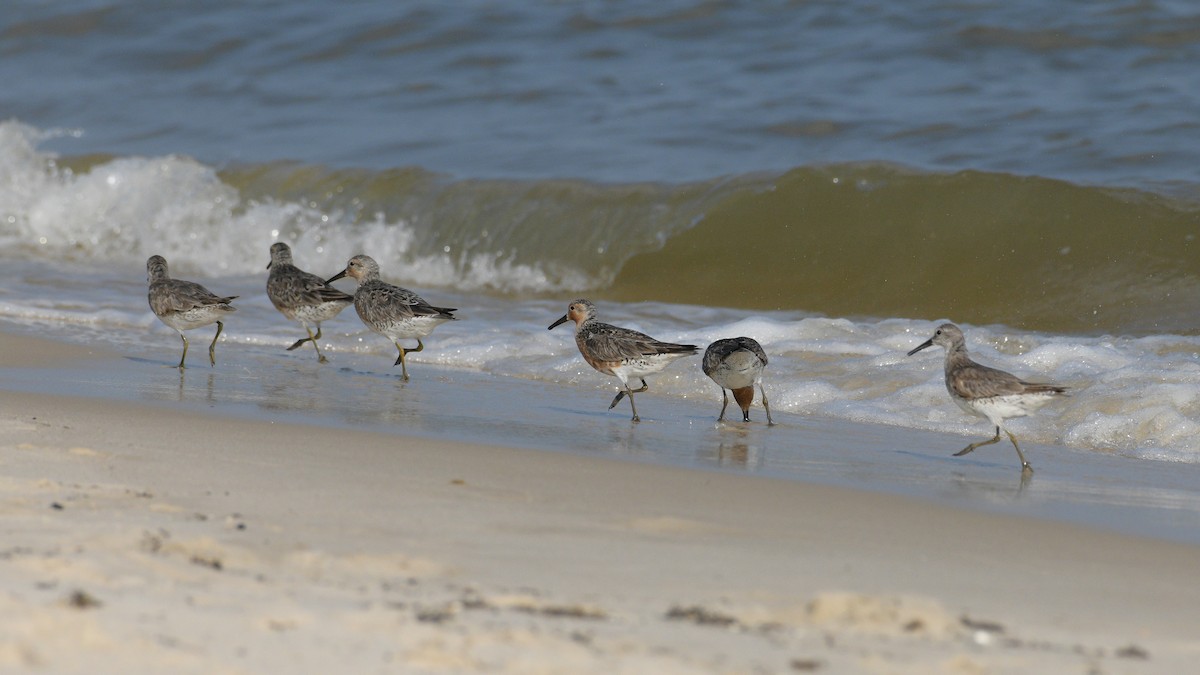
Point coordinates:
[(411, 328), (314, 314), (740, 369), (192, 318), (646, 365), (999, 408)]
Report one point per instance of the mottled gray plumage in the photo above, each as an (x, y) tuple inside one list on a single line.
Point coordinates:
[(302, 296), (184, 305), (391, 311), (737, 364), (985, 391), (620, 352)]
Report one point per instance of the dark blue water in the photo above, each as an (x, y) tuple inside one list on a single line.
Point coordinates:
[(1095, 92)]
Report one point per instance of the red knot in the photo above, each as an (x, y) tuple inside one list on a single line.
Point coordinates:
[(302, 296), (394, 312), (737, 364), (184, 305), (620, 352), (985, 391)]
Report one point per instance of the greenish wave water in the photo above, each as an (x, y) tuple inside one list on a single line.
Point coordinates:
[(974, 247), (851, 240), (845, 240)]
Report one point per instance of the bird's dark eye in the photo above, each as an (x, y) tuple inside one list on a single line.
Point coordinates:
[(937, 332)]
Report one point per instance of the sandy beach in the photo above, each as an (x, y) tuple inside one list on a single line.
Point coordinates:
[(143, 538)]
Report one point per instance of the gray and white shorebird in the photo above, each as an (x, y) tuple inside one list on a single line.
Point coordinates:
[(302, 296), (184, 305), (623, 353), (737, 364), (987, 392), (394, 312)]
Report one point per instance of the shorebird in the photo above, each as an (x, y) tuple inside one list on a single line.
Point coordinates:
[(985, 391), (737, 364), (302, 296), (184, 305), (394, 312), (620, 352)]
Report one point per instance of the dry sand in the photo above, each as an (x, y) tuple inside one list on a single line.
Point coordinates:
[(141, 538)]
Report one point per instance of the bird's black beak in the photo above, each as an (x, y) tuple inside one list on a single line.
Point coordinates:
[(923, 345), (335, 277), (269, 265), (556, 323)]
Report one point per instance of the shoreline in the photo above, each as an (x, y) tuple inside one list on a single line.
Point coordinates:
[(146, 536), (359, 392)]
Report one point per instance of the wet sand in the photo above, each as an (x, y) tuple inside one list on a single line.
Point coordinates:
[(210, 532)]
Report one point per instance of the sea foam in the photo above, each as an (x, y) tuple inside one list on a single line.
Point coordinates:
[(126, 209)]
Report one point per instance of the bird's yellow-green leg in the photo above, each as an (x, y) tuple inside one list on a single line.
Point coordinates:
[(212, 355), (185, 346), (400, 362), (629, 392), (1025, 466), (631, 405), (313, 339), (765, 405), (621, 393), (980, 444), (310, 338), (400, 359)]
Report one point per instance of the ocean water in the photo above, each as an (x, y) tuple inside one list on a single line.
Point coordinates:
[(833, 179)]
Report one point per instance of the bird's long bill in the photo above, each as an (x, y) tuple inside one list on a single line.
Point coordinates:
[(269, 265), (335, 277), (923, 345), (557, 323)]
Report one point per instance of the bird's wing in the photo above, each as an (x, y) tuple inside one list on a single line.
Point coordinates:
[(316, 290), (612, 343), (385, 301), (978, 381), (177, 295)]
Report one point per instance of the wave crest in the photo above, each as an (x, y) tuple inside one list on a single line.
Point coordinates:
[(845, 240)]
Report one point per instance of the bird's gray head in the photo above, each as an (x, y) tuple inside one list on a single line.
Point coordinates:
[(156, 268), (578, 311), (947, 335), (361, 267), (281, 254)]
